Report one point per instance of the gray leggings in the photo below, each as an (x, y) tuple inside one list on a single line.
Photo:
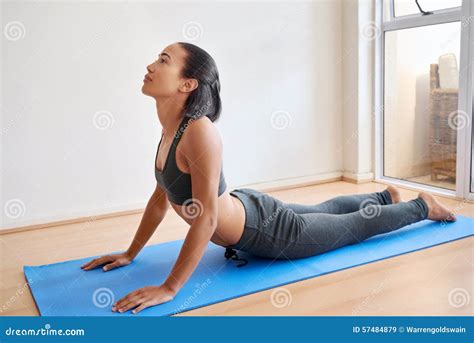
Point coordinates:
[(281, 230)]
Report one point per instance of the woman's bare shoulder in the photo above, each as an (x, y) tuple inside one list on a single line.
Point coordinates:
[(202, 131)]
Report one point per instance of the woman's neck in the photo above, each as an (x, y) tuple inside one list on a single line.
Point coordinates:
[(170, 114)]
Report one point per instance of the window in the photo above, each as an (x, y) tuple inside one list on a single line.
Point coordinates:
[(424, 95)]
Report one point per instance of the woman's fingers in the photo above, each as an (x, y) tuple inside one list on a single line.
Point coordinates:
[(116, 260), (125, 299), (87, 263), (124, 305), (96, 262), (141, 307), (112, 265), (132, 304)]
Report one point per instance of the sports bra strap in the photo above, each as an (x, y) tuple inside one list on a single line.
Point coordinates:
[(179, 132)]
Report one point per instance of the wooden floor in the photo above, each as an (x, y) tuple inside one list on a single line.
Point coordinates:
[(434, 281)]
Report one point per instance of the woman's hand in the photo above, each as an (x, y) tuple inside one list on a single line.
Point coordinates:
[(113, 261), (143, 298)]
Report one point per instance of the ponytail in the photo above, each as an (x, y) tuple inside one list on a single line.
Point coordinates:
[(205, 100)]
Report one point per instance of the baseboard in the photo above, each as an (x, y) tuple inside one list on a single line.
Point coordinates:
[(76, 220), (357, 177), (271, 186), (295, 182), (420, 188)]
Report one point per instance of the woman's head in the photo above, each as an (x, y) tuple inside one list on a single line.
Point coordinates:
[(186, 72)]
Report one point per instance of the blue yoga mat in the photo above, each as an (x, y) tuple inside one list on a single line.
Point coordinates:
[(64, 289)]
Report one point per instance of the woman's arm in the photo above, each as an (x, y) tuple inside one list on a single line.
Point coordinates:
[(204, 155), (154, 213)]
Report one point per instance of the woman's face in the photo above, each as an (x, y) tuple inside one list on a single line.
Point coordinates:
[(164, 75)]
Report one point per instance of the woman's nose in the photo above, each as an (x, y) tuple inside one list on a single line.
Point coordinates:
[(149, 69)]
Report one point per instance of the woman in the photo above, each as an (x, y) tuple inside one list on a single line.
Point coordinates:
[(184, 81)]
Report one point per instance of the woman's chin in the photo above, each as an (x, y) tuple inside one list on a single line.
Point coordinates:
[(144, 90)]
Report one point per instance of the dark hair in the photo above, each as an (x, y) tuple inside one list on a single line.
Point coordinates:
[(205, 100)]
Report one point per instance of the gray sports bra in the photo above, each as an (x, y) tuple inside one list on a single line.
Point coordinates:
[(176, 183)]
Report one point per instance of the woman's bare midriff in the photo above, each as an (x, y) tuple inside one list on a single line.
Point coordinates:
[(230, 221)]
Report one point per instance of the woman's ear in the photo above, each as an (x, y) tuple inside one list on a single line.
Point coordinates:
[(189, 85)]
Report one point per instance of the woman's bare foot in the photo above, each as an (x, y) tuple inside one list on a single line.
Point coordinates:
[(394, 194), (436, 211)]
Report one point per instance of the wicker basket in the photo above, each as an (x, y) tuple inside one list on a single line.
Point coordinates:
[(442, 139)]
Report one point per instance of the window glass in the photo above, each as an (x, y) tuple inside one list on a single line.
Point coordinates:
[(407, 7), (421, 78)]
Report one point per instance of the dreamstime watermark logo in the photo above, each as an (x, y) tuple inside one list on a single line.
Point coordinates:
[(199, 288), (192, 208), (458, 120), (454, 212), (369, 299), (103, 297), (14, 30), (280, 120), (14, 208), (19, 292), (199, 112), (467, 21), (91, 221), (272, 216), (280, 297), (10, 124), (458, 297), (192, 30), (353, 137), (370, 209), (376, 110), (47, 330), (103, 120), (370, 30)]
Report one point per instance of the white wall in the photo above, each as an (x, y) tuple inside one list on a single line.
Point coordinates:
[(357, 62), (72, 60)]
